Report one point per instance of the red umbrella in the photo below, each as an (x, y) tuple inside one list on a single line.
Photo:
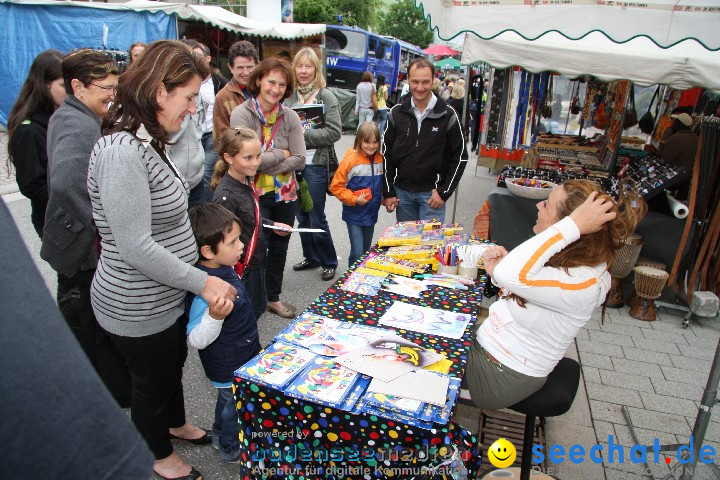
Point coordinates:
[(439, 50)]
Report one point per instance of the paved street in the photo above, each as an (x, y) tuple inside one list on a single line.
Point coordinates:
[(657, 369)]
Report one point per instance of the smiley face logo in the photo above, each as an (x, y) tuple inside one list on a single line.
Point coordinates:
[(502, 453)]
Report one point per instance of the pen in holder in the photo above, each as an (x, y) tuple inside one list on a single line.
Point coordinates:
[(447, 260)]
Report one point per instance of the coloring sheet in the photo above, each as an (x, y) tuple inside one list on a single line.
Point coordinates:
[(426, 320)]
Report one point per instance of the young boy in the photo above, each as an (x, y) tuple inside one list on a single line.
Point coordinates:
[(225, 333)]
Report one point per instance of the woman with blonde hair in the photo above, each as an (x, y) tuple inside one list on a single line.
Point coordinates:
[(139, 203), (318, 248), (550, 287)]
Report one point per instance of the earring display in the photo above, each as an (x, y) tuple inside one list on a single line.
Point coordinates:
[(646, 175)]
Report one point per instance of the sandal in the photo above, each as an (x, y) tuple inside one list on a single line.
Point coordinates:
[(193, 475), (204, 440), (283, 311)]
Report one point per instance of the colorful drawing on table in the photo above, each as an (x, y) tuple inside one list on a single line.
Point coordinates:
[(324, 381), (388, 358), (363, 283), (404, 286), (277, 365), (426, 320), (328, 337), (306, 326)]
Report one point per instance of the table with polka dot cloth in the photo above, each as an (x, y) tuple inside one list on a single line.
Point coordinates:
[(280, 435)]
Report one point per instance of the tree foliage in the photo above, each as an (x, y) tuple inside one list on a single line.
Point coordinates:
[(401, 20), (358, 13)]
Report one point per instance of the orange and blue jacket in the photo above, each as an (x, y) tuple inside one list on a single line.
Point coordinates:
[(356, 172)]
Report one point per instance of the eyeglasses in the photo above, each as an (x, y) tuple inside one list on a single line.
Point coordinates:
[(107, 88)]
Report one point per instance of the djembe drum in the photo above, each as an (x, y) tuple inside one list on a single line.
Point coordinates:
[(625, 259), (649, 284), (644, 262)]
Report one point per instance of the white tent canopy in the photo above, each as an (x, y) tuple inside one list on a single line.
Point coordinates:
[(211, 14), (665, 22), (682, 66)]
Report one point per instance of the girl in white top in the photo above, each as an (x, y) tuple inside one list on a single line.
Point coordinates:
[(551, 284)]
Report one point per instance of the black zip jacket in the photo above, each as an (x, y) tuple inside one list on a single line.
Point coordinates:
[(30, 160), (435, 158)]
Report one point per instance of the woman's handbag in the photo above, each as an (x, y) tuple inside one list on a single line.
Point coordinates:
[(647, 121), (332, 166), (374, 102), (631, 117), (303, 192)]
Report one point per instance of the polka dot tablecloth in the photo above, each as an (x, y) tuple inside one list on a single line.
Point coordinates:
[(288, 438)]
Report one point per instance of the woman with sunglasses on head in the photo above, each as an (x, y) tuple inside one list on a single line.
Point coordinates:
[(283, 152), (90, 78), (41, 94), (139, 201)]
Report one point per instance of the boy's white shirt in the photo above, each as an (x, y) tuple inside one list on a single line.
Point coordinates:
[(208, 330)]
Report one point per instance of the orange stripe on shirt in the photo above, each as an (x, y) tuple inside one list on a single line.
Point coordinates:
[(550, 283)]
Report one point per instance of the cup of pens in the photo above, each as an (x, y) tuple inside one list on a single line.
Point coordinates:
[(469, 258), (447, 260)]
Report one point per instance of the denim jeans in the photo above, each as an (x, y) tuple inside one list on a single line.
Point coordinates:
[(317, 248), (360, 241), (414, 206), (226, 429), (254, 280), (197, 195), (365, 115), (210, 159), (277, 246), (382, 120)]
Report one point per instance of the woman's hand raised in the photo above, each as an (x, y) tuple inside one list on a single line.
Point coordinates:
[(492, 256), (216, 288), (593, 213)]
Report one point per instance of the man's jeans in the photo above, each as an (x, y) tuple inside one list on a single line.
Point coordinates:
[(210, 159), (414, 206), (318, 248)]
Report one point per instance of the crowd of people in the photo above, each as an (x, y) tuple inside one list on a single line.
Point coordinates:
[(165, 195)]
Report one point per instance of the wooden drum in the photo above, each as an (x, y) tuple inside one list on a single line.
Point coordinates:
[(649, 284), (626, 257)]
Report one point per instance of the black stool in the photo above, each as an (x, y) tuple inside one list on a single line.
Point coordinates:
[(553, 399)]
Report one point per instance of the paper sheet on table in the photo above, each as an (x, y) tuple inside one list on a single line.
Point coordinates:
[(417, 385), (301, 230), (388, 357)]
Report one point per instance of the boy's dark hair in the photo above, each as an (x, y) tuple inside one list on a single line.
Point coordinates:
[(210, 223)]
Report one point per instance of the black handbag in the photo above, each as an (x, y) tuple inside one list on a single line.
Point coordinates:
[(647, 121), (332, 166), (631, 117)]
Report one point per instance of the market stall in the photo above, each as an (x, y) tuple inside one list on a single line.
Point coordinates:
[(665, 42)]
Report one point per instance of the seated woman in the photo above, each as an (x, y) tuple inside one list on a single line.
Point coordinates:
[(551, 284)]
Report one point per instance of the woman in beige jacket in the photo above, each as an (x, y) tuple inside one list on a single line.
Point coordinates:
[(281, 134)]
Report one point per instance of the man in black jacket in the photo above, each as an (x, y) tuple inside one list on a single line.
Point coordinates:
[(424, 150)]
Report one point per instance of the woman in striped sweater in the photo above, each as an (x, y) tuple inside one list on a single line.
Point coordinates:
[(551, 284), (139, 202)]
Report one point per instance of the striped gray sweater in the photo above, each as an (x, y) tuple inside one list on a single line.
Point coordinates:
[(148, 248)]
